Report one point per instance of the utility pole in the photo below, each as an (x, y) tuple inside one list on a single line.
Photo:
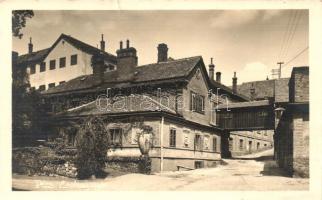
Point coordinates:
[(280, 69), (278, 72)]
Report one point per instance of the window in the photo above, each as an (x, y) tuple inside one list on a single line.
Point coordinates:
[(115, 136), (241, 144), (73, 60), (206, 142), (214, 144), (51, 85), (197, 103), (61, 82), (213, 114), (198, 142), (172, 139), (62, 62), (42, 88), (258, 145), (199, 164), (258, 132), (32, 69), (231, 142), (265, 133), (52, 64), (42, 67), (186, 138)]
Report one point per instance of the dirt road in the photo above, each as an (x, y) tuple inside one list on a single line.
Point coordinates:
[(255, 172)]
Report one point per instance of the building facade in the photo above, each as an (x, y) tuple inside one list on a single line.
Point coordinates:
[(292, 130), (172, 96), (66, 59)]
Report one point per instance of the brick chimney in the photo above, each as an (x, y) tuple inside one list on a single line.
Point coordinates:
[(98, 67), (102, 43), (218, 77), (211, 69), (162, 52), (30, 46), (234, 83), (252, 92), (127, 60)]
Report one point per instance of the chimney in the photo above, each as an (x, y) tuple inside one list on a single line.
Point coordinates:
[(234, 83), (211, 69), (102, 43), (30, 46), (162, 52), (252, 92), (218, 77), (98, 67), (127, 60)]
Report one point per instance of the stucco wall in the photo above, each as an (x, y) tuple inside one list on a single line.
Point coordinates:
[(256, 137), (63, 49)]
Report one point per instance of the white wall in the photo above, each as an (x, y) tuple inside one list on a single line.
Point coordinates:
[(63, 49)]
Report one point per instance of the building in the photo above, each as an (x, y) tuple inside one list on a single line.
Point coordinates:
[(172, 96), (66, 59), (176, 98), (292, 129), (251, 123)]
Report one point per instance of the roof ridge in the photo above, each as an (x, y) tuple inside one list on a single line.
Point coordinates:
[(84, 43), (34, 52), (170, 61)]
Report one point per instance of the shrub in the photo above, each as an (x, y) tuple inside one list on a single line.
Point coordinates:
[(92, 147)]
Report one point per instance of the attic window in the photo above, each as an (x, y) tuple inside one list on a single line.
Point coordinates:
[(63, 42)]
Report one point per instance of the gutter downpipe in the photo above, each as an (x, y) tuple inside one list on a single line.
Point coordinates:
[(161, 145)]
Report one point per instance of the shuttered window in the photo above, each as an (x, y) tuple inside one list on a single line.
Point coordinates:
[(172, 139), (197, 103)]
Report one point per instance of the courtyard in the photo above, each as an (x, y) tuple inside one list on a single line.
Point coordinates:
[(255, 172)]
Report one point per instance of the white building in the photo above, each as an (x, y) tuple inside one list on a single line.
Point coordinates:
[(66, 59)]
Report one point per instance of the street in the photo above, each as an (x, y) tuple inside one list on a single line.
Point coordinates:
[(256, 172)]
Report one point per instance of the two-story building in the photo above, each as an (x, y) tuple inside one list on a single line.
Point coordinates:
[(175, 97)]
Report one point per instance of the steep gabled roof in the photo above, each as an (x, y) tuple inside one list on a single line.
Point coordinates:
[(82, 46), (229, 91), (246, 104), (275, 88), (139, 103), (165, 71), (39, 56), (34, 57)]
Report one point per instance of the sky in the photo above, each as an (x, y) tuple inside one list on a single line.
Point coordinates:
[(248, 42)]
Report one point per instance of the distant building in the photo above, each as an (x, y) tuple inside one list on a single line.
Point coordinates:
[(66, 59)]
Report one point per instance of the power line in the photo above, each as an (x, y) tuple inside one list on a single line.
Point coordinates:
[(296, 23), (291, 16), (297, 55)]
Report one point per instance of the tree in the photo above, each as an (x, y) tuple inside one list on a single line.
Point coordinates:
[(19, 18), (92, 148), (27, 106)]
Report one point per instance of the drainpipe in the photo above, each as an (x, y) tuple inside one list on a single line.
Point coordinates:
[(161, 145)]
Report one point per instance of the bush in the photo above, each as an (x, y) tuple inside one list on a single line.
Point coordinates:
[(92, 149)]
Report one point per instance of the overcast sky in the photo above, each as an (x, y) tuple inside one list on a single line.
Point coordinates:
[(249, 42)]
